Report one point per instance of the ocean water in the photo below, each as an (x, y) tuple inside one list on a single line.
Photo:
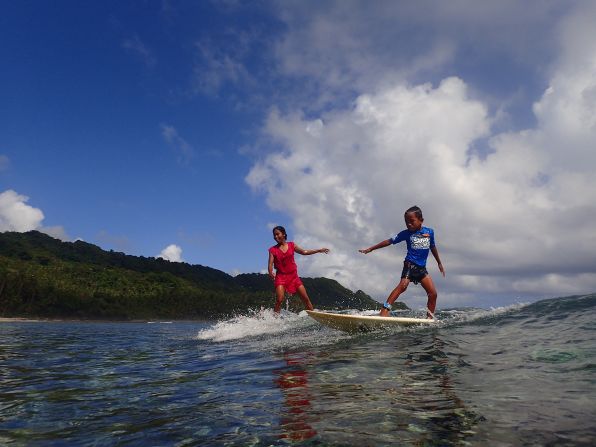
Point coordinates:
[(518, 376)]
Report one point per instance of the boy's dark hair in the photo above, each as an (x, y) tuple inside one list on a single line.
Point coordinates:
[(416, 210), (282, 229)]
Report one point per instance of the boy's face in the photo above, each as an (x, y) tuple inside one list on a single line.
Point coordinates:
[(412, 222)]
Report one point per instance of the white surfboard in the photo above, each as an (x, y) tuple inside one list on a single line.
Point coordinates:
[(364, 323)]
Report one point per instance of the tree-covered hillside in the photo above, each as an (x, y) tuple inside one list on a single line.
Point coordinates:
[(44, 277)]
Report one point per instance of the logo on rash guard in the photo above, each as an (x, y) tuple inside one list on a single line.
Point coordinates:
[(420, 241)]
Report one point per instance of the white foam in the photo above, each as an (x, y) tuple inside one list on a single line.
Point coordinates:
[(262, 322), (266, 331)]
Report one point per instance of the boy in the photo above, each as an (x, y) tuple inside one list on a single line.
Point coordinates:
[(420, 240)]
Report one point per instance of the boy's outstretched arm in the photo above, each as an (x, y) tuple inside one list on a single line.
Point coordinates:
[(435, 253), (381, 244)]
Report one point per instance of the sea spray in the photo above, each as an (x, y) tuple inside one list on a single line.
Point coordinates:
[(264, 330), (258, 323)]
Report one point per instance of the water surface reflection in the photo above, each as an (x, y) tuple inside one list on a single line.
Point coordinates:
[(293, 381)]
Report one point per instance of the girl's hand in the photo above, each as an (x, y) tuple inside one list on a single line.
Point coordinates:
[(272, 276), (441, 269), (365, 250), (323, 250)]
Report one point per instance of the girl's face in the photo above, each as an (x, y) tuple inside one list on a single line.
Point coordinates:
[(413, 223), (279, 237)]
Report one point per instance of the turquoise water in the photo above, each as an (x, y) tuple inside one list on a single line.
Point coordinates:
[(523, 375)]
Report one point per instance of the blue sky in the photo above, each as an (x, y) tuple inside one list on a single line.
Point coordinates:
[(197, 126)]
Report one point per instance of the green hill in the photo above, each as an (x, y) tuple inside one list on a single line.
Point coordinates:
[(44, 277)]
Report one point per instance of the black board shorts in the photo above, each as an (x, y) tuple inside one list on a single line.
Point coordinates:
[(413, 272)]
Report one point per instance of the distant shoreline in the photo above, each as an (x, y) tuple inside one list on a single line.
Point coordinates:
[(18, 320), (82, 320)]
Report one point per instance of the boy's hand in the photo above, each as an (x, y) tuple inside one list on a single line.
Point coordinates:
[(365, 250)]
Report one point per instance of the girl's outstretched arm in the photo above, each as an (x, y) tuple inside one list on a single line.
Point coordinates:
[(435, 253), (381, 244), (310, 252)]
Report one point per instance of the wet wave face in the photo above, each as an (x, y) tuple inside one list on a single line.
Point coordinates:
[(531, 371), (519, 374)]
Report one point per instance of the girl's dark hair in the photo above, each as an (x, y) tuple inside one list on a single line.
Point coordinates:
[(416, 210), (282, 229)]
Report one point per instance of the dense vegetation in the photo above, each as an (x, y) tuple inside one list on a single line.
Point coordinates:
[(44, 277)]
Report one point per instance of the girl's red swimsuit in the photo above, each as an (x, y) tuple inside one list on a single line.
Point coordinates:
[(286, 270)]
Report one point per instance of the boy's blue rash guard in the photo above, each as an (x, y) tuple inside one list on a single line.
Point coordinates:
[(419, 244)]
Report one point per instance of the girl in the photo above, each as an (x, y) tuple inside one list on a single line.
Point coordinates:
[(420, 240), (281, 256)]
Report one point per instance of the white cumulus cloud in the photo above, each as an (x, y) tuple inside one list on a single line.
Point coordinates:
[(516, 221), (16, 215), (171, 253)]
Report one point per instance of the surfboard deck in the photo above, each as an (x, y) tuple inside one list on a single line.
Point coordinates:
[(364, 323)]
